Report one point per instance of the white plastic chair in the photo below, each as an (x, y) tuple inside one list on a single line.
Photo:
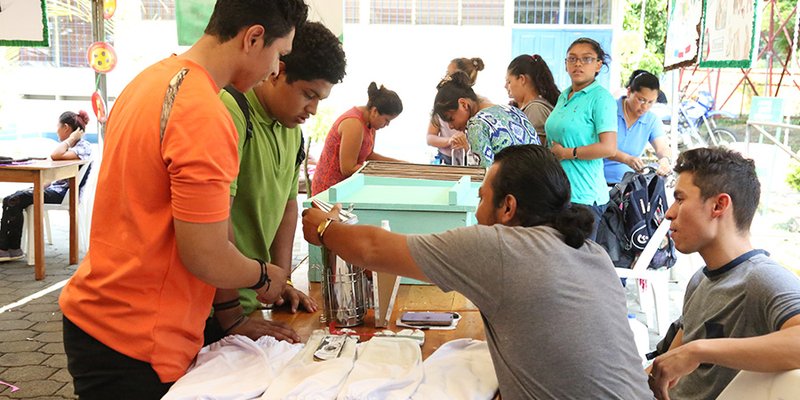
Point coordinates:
[(48, 235), (748, 385), (655, 307)]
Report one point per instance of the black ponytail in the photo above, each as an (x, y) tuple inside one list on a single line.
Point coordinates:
[(451, 88), (534, 176), (386, 101), (575, 223)]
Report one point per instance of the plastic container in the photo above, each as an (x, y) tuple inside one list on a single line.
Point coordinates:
[(641, 336)]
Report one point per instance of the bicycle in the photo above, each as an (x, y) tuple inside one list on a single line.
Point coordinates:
[(696, 113)]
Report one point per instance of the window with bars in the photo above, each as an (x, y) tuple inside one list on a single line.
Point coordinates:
[(436, 12), (351, 11), (579, 12), (584, 12), (396, 12), (536, 11), (482, 12), (158, 10), (70, 37)]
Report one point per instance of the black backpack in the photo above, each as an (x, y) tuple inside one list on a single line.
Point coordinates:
[(242, 102), (636, 208)]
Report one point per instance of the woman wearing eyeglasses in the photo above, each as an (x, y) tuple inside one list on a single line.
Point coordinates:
[(582, 129), (636, 126)]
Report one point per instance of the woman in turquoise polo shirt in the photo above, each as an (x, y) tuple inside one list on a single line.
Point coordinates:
[(582, 129), (636, 126)]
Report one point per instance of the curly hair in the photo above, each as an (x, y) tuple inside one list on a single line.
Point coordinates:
[(316, 54), (718, 170)]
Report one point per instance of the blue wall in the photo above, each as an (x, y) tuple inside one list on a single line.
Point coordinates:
[(552, 45)]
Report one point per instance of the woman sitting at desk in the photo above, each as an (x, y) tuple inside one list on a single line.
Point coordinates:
[(351, 140), (489, 127), (72, 147)]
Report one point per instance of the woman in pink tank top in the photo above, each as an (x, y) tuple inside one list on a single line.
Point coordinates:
[(351, 140)]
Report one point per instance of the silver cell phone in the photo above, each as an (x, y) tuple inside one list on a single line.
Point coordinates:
[(427, 318), (330, 347)]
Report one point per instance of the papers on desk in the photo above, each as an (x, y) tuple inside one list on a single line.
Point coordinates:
[(381, 368)]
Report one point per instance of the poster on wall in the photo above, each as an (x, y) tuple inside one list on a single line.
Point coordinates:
[(192, 17), (23, 23), (728, 37), (683, 33)]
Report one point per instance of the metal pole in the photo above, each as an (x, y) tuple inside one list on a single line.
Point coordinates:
[(99, 35)]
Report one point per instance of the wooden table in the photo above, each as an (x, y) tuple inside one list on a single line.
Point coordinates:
[(409, 298), (41, 174)]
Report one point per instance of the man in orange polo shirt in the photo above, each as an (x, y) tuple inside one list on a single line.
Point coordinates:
[(135, 309)]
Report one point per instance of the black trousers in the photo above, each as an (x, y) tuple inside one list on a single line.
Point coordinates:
[(99, 372), (12, 221)]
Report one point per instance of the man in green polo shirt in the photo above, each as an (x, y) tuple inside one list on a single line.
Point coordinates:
[(263, 197)]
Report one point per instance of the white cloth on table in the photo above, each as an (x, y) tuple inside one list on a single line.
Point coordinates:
[(460, 369), (386, 368), (304, 378), (234, 368)]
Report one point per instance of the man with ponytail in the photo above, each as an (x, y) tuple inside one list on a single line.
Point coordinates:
[(529, 245)]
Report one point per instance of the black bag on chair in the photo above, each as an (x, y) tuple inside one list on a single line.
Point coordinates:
[(637, 207)]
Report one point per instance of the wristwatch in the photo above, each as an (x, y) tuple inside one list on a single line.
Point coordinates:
[(323, 226), (574, 153)]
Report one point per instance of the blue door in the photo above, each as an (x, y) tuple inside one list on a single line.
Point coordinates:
[(552, 45)]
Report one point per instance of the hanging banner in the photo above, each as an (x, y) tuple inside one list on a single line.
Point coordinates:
[(191, 17), (728, 37), (683, 33), (23, 24)]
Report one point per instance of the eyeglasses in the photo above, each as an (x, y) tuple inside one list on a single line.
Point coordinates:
[(583, 60), (642, 101)]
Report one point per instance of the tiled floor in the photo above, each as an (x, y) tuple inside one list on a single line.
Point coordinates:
[(31, 350)]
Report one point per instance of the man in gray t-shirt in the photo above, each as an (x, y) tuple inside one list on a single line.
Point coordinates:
[(553, 309), (741, 311)]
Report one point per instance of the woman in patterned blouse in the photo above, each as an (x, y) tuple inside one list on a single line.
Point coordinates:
[(489, 127)]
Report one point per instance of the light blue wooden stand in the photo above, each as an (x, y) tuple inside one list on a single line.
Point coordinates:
[(412, 206)]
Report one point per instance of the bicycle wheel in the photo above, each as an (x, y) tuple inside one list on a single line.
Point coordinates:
[(724, 137)]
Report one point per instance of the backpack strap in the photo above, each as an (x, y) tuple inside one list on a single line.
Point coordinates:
[(169, 99), (245, 107), (301, 152)]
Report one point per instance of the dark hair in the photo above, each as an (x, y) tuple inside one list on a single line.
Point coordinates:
[(386, 101), (538, 74), (642, 79), (278, 17), (316, 54), (451, 88), (601, 54), (470, 66), (75, 121), (718, 170), (534, 176)]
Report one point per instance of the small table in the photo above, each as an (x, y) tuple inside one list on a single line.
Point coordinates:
[(41, 174), (409, 298)]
